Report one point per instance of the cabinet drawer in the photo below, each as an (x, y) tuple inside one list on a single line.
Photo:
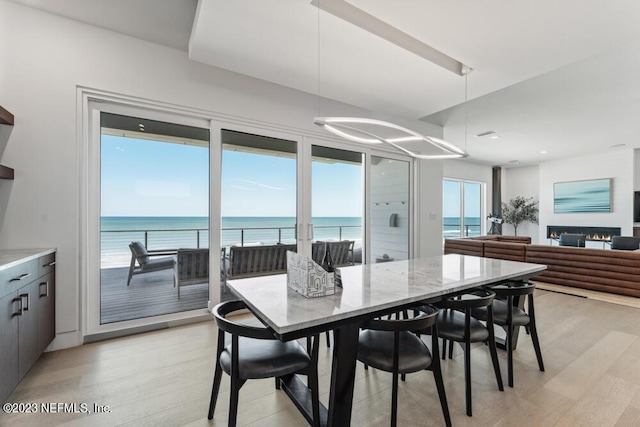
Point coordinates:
[(46, 264), (17, 276)]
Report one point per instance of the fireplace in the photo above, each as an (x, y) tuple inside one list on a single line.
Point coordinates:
[(597, 234)]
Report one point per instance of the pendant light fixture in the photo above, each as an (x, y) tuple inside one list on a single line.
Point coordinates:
[(370, 131)]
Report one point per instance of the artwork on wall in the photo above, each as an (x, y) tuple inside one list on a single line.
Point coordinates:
[(582, 196)]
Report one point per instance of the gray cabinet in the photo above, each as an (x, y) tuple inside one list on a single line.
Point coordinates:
[(8, 345), (27, 316)]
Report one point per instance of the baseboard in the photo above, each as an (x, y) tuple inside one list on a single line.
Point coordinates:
[(589, 294), (65, 340)]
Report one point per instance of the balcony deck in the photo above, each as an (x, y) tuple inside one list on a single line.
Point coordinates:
[(149, 294)]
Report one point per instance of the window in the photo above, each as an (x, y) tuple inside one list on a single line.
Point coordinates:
[(462, 208)]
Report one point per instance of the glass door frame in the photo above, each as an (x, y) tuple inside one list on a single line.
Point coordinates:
[(368, 151), (91, 102), (90, 251)]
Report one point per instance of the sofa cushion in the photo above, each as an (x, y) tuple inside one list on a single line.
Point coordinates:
[(504, 250)]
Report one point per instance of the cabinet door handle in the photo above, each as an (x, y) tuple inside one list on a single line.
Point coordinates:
[(20, 311), (46, 289), (51, 264), (22, 276), (23, 296)]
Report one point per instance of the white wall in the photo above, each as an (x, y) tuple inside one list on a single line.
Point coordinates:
[(46, 57), (618, 165), (523, 182)]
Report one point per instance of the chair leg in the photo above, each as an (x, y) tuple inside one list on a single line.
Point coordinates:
[(236, 383), (403, 377), (444, 348), (277, 383), (509, 344), (132, 267), (467, 375), (217, 377), (536, 345), (496, 364), (394, 400), (437, 376), (451, 350), (328, 340)]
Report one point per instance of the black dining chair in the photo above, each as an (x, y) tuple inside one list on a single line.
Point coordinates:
[(391, 346), (509, 316), (255, 353), (456, 324), (568, 239)]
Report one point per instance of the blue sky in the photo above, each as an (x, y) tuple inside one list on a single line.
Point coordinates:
[(150, 178), (451, 199)]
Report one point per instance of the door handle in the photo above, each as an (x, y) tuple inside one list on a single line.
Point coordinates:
[(22, 276), (46, 290), (22, 297), (20, 311)]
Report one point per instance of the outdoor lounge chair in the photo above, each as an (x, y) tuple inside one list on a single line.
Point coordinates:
[(146, 262), (193, 267), (341, 252)]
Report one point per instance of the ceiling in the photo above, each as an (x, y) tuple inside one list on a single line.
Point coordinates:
[(561, 77)]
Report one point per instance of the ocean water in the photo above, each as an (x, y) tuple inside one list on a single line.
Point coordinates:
[(191, 232), (451, 226)]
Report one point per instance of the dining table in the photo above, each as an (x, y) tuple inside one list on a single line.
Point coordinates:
[(368, 291)]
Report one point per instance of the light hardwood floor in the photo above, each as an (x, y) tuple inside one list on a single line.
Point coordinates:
[(591, 352)]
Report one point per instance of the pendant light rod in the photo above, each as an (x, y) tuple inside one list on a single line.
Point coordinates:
[(380, 28)]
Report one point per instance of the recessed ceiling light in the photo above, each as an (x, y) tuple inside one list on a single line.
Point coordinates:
[(489, 133), (544, 152), (515, 162)]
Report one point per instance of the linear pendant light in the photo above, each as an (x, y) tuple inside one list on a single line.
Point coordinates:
[(359, 129)]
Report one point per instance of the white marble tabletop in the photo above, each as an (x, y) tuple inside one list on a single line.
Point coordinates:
[(372, 288)]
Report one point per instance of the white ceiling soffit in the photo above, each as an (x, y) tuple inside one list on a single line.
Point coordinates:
[(166, 22), (505, 42)]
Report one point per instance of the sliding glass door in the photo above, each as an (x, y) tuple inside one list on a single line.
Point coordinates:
[(337, 203), (462, 208), (154, 200), (258, 204)]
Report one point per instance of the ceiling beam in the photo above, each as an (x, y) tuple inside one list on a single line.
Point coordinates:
[(370, 23)]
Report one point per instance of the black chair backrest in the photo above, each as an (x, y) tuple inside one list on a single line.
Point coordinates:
[(424, 317), (577, 240), (473, 299), (515, 289), (223, 309), (625, 243)]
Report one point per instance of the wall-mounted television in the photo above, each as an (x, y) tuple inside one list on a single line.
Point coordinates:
[(582, 196)]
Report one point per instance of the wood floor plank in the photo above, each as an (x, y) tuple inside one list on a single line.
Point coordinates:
[(612, 395), (581, 375)]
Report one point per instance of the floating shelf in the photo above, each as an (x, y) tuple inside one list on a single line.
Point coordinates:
[(6, 118), (6, 172)]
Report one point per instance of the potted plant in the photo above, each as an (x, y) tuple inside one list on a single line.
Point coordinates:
[(518, 210)]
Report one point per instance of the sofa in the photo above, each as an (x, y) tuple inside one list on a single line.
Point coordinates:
[(613, 271)]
